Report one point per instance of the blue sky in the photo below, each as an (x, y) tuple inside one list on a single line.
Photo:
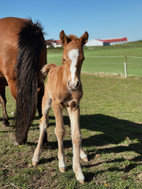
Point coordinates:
[(101, 18)]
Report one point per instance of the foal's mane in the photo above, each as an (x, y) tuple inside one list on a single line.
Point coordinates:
[(72, 37)]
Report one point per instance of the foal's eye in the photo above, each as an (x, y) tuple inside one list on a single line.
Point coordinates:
[(64, 60)]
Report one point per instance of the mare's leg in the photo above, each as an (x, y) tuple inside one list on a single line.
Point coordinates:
[(59, 131), (13, 88), (3, 103), (76, 140), (46, 104), (39, 99)]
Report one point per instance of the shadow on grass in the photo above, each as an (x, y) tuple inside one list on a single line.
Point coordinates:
[(112, 131), (43, 160)]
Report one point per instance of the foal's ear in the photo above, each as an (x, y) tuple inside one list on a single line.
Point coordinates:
[(84, 38), (63, 38)]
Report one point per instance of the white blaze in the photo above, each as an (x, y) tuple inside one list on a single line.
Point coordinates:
[(73, 56)]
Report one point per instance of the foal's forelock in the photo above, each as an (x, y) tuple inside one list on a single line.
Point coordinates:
[(73, 56)]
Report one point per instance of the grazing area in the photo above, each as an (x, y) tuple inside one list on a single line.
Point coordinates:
[(111, 126), (108, 60)]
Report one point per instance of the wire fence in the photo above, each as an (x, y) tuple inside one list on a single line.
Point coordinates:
[(108, 65), (114, 65)]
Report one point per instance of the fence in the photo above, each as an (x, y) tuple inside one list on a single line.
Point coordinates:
[(112, 65), (115, 65)]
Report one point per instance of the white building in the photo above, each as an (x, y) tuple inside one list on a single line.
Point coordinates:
[(94, 42), (105, 42)]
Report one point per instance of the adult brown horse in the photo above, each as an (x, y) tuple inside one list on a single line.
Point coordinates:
[(22, 56)]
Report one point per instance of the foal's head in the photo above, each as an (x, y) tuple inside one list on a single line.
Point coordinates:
[(73, 57)]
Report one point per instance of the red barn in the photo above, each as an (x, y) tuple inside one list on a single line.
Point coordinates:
[(108, 41)]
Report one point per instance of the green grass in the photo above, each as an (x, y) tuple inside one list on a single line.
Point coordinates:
[(111, 126), (97, 59)]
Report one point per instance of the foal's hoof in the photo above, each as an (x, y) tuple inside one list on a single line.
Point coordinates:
[(62, 169), (85, 159), (34, 163), (81, 181)]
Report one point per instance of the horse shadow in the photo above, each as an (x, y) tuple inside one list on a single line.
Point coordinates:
[(111, 131), (112, 134)]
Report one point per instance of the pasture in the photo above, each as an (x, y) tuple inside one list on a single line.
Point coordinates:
[(108, 60), (111, 126)]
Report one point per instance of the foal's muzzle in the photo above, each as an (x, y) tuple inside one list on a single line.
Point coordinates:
[(73, 86)]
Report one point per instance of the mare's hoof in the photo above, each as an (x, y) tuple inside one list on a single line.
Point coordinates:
[(5, 123), (62, 169), (15, 143), (19, 143)]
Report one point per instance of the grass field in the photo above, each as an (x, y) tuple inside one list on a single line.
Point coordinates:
[(108, 60), (111, 125)]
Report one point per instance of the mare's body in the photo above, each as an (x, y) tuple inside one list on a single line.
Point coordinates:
[(22, 56)]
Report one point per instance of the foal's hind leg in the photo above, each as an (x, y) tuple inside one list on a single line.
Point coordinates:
[(43, 125), (59, 131), (3, 103)]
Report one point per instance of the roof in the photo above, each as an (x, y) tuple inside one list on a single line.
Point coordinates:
[(53, 41), (113, 40)]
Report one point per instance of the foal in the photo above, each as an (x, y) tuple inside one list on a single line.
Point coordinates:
[(64, 90)]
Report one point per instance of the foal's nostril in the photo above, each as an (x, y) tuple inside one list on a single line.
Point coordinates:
[(73, 85)]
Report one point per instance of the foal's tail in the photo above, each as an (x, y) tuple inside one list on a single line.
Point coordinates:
[(31, 43), (45, 70)]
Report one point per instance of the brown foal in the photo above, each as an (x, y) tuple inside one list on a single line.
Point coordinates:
[(63, 90)]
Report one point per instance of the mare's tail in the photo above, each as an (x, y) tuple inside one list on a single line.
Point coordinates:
[(30, 44)]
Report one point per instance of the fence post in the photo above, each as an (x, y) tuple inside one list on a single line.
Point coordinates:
[(125, 67)]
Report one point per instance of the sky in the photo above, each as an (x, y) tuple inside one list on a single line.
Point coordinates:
[(102, 19)]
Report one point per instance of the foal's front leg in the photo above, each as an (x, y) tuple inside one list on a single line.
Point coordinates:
[(76, 140), (43, 125), (59, 131)]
